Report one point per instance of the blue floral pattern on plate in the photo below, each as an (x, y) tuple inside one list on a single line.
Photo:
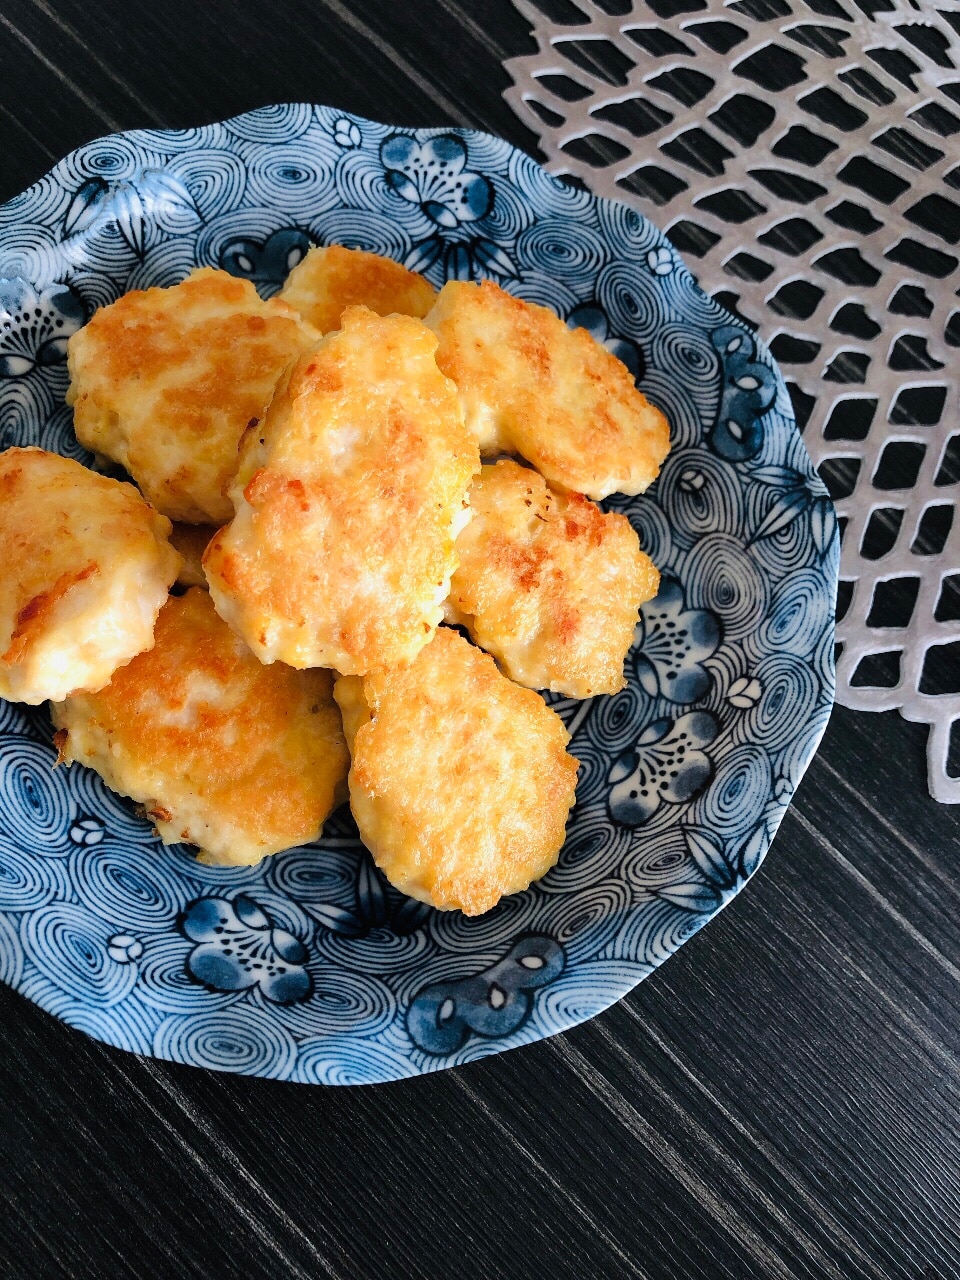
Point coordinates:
[(667, 765), (35, 327), (238, 947), (311, 967), (672, 645)]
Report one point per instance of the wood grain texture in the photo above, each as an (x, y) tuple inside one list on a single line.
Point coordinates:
[(780, 1100)]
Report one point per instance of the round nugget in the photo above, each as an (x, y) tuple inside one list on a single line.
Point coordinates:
[(348, 501), (330, 279), (166, 381), (548, 583), (240, 759), (460, 781), (554, 395), (86, 568), (191, 540)]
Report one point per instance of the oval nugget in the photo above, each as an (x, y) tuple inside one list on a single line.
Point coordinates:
[(86, 568), (554, 395), (349, 500), (460, 781), (548, 583), (240, 759), (166, 381), (330, 279)]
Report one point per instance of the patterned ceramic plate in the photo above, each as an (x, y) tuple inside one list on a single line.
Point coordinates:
[(310, 967)]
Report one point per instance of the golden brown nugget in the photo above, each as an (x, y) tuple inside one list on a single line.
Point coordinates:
[(349, 500), (86, 568), (460, 781), (240, 759), (554, 395), (191, 540), (165, 382), (548, 583), (330, 279)]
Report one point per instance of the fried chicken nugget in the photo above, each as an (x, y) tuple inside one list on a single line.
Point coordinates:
[(165, 381), (460, 781), (86, 568), (330, 279), (349, 500), (191, 540), (548, 583), (554, 395), (240, 759)]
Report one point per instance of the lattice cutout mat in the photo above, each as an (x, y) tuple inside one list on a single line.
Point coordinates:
[(804, 155)]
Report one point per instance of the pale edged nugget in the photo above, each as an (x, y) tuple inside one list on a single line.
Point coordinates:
[(332, 278), (240, 759), (548, 583), (349, 499), (460, 780), (86, 569), (554, 395), (191, 540), (165, 381)]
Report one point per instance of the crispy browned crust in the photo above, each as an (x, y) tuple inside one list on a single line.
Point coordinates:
[(330, 279), (553, 395), (352, 489), (460, 780), (548, 583), (64, 530), (238, 758), (36, 614), (165, 381)]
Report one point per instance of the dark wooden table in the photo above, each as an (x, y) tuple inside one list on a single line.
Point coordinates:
[(781, 1100)]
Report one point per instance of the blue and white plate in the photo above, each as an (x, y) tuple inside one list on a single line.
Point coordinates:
[(310, 967)]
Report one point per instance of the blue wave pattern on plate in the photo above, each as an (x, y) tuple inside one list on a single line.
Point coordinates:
[(310, 967)]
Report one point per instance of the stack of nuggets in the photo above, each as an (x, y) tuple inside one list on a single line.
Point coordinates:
[(346, 473), (348, 502)]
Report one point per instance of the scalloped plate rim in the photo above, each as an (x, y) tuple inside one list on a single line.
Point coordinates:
[(598, 1000)]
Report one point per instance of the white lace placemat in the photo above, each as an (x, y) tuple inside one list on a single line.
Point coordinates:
[(804, 155)]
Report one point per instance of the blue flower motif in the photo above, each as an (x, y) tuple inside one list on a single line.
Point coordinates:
[(719, 871), (749, 389), (660, 261), (667, 765), (124, 949), (593, 318), (239, 948), (267, 261), (672, 645), (433, 175), (128, 204), (495, 1002), (87, 831), (795, 494), (462, 259), (346, 133), (744, 693), (34, 327)]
